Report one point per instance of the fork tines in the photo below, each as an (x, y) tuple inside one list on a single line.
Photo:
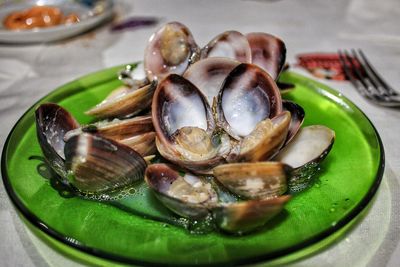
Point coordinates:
[(366, 79)]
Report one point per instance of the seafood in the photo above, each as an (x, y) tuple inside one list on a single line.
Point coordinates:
[(124, 102), (137, 132), (185, 194), (305, 152), (208, 75), (96, 165), (170, 50), (52, 123), (248, 95), (230, 44), (89, 163), (39, 16), (254, 180), (194, 197), (232, 149), (268, 52), (246, 216)]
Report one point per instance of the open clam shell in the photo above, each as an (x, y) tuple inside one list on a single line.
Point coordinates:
[(137, 132), (297, 118), (268, 52), (311, 144), (52, 123), (183, 193), (117, 129), (229, 44), (304, 153), (185, 126), (208, 75), (170, 50), (124, 102), (246, 216), (178, 103), (200, 166), (254, 180), (97, 165), (248, 96), (264, 141)]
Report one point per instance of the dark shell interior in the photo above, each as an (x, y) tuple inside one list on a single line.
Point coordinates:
[(248, 96), (52, 123), (268, 52), (178, 103)]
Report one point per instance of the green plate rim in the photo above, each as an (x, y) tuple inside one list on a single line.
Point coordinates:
[(36, 222)]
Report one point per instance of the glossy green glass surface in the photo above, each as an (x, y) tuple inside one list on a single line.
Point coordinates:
[(347, 181)]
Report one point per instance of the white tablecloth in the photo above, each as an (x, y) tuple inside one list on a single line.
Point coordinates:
[(28, 73)]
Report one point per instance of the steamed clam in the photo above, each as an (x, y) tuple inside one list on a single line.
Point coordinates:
[(215, 114), (246, 216), (230, 44), (194, 197), (53, 122), (170, 50), (137, 132), (268, 52), (184, 193), (96, 165), (124, 102), (91, 164), (254, 180), (208, 75), (247, 96), (185, 127), (308, 148)]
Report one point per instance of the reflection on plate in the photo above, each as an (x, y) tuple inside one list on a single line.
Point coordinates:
[(346, 183), (90, 12)]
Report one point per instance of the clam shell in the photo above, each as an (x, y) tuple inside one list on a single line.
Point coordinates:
[(170, 50), (297, 118), (248, 96), (265, 140), (311, 144), (183, 193), (52, 123), (185, 126), (123, 129), (144, 143), (268, 52), (209, 74), (124, 102), (204, 166), (246, 216), (97, 165), (305, 152), (137, 133), (254, 180), (117, 129), (229, 44), (178, 103)]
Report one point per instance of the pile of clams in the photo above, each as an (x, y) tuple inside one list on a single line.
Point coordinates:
[(213, 116)]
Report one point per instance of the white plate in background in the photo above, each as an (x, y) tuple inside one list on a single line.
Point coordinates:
[(90, 12)]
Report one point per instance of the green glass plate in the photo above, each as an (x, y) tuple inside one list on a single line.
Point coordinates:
[(99, 232)]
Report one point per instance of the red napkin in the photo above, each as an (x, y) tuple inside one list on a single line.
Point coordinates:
[(323, 65)]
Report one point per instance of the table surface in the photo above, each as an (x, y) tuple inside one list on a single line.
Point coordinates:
[(29, 72)]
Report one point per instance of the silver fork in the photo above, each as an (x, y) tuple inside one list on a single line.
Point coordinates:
[(366, 79)]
